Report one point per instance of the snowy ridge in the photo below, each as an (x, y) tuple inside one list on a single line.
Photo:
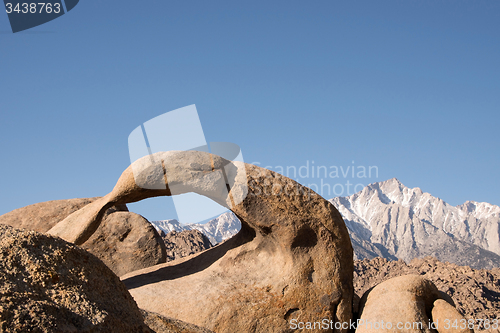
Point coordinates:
[(217, 230)]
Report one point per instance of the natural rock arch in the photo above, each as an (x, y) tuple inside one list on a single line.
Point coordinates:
[(292, 259)]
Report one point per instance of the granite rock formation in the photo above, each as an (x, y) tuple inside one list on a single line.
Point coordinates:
[(291, 259)]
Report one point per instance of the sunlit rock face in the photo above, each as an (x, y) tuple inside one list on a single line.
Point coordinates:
[(291, 259)]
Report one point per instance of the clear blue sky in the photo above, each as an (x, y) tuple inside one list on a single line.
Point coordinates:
[(412, 87)]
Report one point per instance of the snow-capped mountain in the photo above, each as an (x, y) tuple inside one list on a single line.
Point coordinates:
[(387, 219), (217, 230), (168, 226), (408, 223)]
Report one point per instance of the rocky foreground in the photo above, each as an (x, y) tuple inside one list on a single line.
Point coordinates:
[(475, 292)]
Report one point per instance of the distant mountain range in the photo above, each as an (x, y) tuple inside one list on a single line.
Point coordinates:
[(391, 220), (387, 219), (217, 230)]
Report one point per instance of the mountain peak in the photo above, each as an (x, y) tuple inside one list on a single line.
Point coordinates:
[(393, 180), (389, 183), (409, 223)]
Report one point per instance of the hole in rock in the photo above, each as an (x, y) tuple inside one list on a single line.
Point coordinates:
[(305, 237), (161, 213), (289, 313), (310, 276)]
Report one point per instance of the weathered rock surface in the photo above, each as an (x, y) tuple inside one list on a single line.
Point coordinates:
[(291, 259), (124, 241), (405, 304), (184, 243), (48, 285), (475, 292)]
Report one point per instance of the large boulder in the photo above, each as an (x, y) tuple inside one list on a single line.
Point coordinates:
[(291, 261), (49, 285), (408, 303), (185, 243), (124, 241)]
